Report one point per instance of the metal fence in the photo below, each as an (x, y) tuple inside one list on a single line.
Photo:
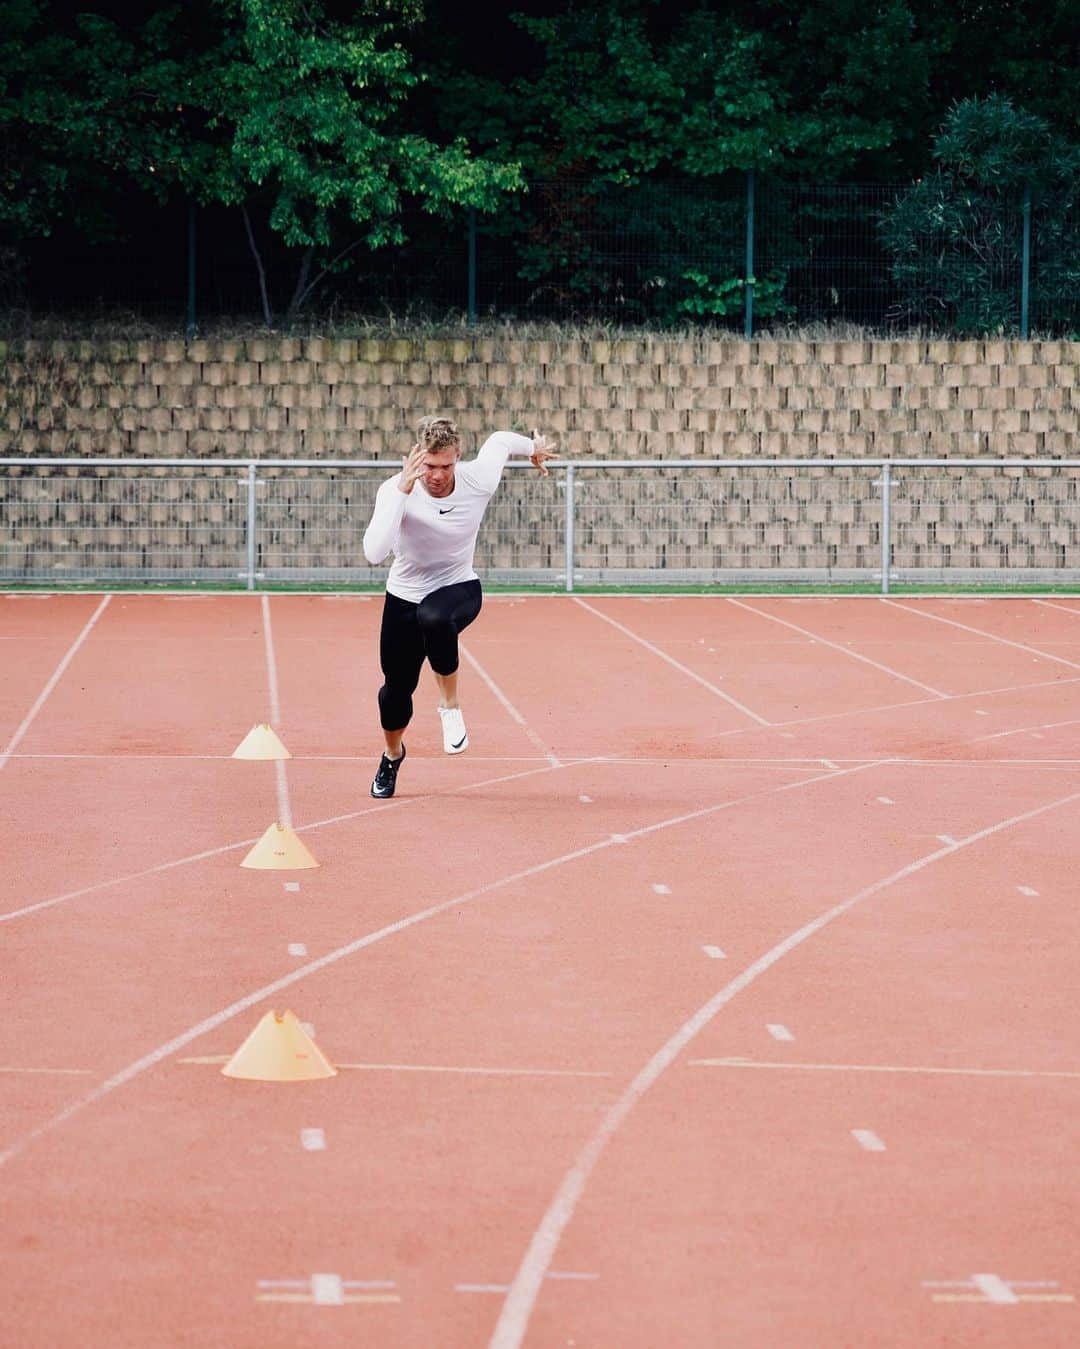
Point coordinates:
[(653, 523), (742, 251)]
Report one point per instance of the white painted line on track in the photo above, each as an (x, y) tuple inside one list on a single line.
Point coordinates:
[(881, 1068), (62, 1072), (979, 712), (714, 952), (569, 1274), (481, 1288), (326, 1290), (510, 708), (1046, 726), (779, 1032), (844, 650), (987, 636), (678, 665), (292, 886), (260, 995), (947, 839), (1027, 890), (383, 807), (513, 1322), (1064, 608), (53, 680), (662, 889), (297, 948), (280, 776), (886, 801), (868, 1140), (828, 763), (313, 1140), (993, 1288), (585, 800)]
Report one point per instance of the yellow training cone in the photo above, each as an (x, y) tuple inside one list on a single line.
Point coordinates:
[(279, 849), (261, 742), (279, 1050)]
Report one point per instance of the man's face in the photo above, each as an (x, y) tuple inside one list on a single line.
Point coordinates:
[(438, 477)]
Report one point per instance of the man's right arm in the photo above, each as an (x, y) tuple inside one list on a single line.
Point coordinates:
[(382, 532)]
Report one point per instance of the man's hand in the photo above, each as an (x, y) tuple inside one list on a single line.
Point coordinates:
[(413, 469), (543, 450)]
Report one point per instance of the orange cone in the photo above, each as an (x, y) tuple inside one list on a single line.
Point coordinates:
[(279, 1050), (279, 849), (261, 742)]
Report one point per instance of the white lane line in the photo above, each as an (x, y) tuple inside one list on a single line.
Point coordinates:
[(481, 1287), (844, 650), (513, 1323), (226, 1014), (292, 886), (714, 952), (994, 1288), (771, 1066), (678, 665), (297, 948), (510, 708), (867, 1139), (326, 1290), (62, 1072), (886, 801), (54, 679), (979, 712), (569, 1274), (281, 779), (1027, 890), (947, 839), (986, 636), (398, 804), (313, 1140), (1064, 608), (585, 800), (202, 1060), (662, 889), (1046, 726), (828, 763), (779, 1032)]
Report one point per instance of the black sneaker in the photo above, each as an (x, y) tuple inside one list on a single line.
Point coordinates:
[(386, 776)]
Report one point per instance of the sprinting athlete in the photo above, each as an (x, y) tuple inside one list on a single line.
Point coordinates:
[(428, 516)]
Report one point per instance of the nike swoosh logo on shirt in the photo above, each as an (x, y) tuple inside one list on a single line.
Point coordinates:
[(447, 511)]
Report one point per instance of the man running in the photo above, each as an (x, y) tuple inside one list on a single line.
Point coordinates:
[(428, 516)]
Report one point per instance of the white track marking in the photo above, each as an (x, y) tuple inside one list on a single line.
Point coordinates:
[(313, 1140), (280, 776), (297, 948), (210, 1023), (585, 800), (510, 708), (867, 1139), (62, 1072), (1045, 726), (208, 1060), (683, 669), (1027, 890), (569, 1274), (886, 801), (662, 889), (844, 650), (779, 1032), (513, 1322), (399, 803), (292, 886), (769, 1065), (481, 1287), (1065, 609), (53, 680), (714, 952), (326, 1290), (986, 636), (993, 1288), (946, 839)]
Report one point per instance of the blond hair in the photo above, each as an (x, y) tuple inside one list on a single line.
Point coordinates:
[(438, 433)]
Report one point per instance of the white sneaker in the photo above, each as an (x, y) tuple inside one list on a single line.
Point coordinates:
[(455, 738)]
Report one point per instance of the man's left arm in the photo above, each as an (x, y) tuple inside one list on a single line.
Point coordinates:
[(488, 465)]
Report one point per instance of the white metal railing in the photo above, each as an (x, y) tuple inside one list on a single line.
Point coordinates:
[(622, 521)]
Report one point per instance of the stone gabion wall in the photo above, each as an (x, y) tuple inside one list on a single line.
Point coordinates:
[(644, 397), (652, 397)]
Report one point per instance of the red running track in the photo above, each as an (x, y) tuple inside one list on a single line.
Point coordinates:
[(721, 993)]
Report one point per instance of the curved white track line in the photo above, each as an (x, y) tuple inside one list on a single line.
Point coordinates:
[(517, 1309), (162, 1052), (54, 679), (398, 804), (986, 636), (683, 669), (844, 650)]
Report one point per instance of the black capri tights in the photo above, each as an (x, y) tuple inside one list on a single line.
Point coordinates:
[(412, 633)]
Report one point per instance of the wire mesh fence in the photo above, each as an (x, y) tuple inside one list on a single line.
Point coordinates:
[(740, 251), (652, 523)]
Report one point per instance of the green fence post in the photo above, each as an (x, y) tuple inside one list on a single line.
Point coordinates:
[(748, 319), (1025, 267)]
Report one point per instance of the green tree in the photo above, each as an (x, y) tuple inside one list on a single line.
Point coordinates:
[(955, 236)]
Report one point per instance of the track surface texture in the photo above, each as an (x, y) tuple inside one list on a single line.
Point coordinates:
[(723, 992)]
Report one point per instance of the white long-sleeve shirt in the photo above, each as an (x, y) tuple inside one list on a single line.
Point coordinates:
[(433, 539)]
